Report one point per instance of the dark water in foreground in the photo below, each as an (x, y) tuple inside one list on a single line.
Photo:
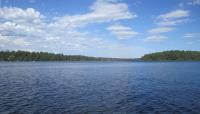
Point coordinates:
[(99, 87)]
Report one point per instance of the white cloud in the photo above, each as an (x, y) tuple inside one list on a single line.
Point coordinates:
[(122, 32), (3, 40), (12, 41), (173, 18), (20, 22), (166, 23), (100, 11), (29, 29), (28, 16), (171, 22), (155, 38), (21, 42), (175, 14), (160, 30)]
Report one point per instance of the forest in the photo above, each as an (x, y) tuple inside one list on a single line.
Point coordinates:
[(45, 56), (173, 55)]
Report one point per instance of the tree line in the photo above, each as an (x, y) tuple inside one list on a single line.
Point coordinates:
[(173, 55), (45, 56)]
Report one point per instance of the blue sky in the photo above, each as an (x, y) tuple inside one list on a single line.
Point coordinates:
[(106, 28)]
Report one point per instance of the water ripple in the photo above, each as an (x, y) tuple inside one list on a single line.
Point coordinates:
[(119, 88)]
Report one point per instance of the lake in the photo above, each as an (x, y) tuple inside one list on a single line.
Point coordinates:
[(99, 87)]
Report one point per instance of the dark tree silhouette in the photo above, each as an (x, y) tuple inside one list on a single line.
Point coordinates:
[(173, 55), (45, 56)]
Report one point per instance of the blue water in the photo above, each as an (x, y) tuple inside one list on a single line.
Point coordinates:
[(99, 87)]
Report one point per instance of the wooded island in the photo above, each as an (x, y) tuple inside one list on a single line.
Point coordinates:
[(174, 55)]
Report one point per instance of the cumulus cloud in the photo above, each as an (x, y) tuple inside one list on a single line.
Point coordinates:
[(21, 42), (20, 22), (29, 29), (155, 38), (4, 40), (28, 16), (12, 41), (122, 32)]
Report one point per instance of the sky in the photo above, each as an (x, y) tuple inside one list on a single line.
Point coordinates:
[(100, 28)]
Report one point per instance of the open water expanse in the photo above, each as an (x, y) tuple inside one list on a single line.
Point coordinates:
[(99, 87)]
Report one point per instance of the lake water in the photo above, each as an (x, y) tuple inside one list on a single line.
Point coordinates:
[(99, 87)]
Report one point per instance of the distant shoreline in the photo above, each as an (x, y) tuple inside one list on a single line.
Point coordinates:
[(45, 56), (165, 56)]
